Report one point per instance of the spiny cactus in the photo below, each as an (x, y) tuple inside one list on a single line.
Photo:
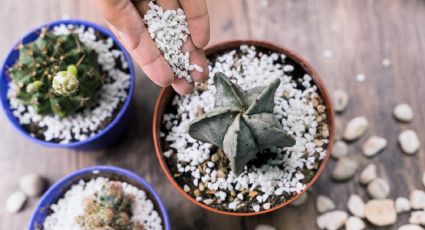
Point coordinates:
[(109, 208), (56, 74), (242, 122)]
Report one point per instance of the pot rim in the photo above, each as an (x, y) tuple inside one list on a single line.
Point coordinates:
[(4, 87), (226, 45), (56, 188)]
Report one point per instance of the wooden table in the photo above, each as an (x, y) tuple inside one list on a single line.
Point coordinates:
[(360, 34)]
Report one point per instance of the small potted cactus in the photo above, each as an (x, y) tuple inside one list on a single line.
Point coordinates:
[(68, 84), (251, 139), (100, 197)]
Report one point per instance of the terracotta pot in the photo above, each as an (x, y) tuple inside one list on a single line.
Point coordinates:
[(166, 95)]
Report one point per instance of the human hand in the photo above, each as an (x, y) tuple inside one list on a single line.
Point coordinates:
[(125, 19)]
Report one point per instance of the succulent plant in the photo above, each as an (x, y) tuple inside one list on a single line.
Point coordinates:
[(242, 123), (109, 209), (56, 74)]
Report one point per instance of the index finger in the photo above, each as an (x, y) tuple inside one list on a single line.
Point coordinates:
[(198, 20)]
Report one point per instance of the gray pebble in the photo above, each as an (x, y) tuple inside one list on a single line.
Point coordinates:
[(340, 150), (355, 128), (344, 169), (264, 227), (368, 174), (341, 99), (374, 145), (378, 188), (324, 204)]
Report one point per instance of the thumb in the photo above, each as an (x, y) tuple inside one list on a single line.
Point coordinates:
[(124, 17)]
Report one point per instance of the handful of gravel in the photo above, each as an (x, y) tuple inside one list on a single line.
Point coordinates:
[(169, 29)]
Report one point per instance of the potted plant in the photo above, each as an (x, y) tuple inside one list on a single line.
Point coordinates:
[(68, 84), (100, 197), (253, 138)]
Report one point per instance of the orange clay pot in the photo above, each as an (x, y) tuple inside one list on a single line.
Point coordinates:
[(166, 95)]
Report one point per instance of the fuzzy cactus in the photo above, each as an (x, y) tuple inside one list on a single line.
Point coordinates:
[(242, 122), (56, 74)]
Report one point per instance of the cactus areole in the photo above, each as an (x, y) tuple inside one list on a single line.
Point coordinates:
[(242, 122), (56, 74)]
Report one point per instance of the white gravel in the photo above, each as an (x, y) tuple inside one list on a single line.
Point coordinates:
[(169, 29), (84, 124), (297, 115), (68, 208)]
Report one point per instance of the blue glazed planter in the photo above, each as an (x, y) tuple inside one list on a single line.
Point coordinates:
[(109, 134), (58, 189)]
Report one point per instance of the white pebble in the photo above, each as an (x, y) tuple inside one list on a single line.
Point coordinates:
[(417, 217), (264, 227), (402, 204), (423, 179), (355, 128), (340, 150), (324, 204), (409, 141), (360, 77), (332, 220), (354, 223), (356, 205), (417, 199), (368, 174), (374, 145), (410, 227), (403, 113), (327, 54), (341, 99), (380, 212), (16, 202), (32, 185), (344, 169), (378, 188), (386, 62)]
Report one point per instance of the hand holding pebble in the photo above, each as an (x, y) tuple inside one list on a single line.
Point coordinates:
[(126, 20)]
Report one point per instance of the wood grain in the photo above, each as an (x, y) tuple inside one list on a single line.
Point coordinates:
[(359, 33)]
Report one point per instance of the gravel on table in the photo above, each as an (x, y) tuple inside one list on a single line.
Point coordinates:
[(91, 120)]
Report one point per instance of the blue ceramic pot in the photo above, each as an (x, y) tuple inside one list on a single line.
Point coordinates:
[(105, 137), (58, 189)]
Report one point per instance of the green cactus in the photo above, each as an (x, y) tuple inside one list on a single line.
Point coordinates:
[(242, 122), (46, 74)]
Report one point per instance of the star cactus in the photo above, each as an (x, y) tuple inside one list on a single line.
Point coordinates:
[(56, 74), (242, 122)]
